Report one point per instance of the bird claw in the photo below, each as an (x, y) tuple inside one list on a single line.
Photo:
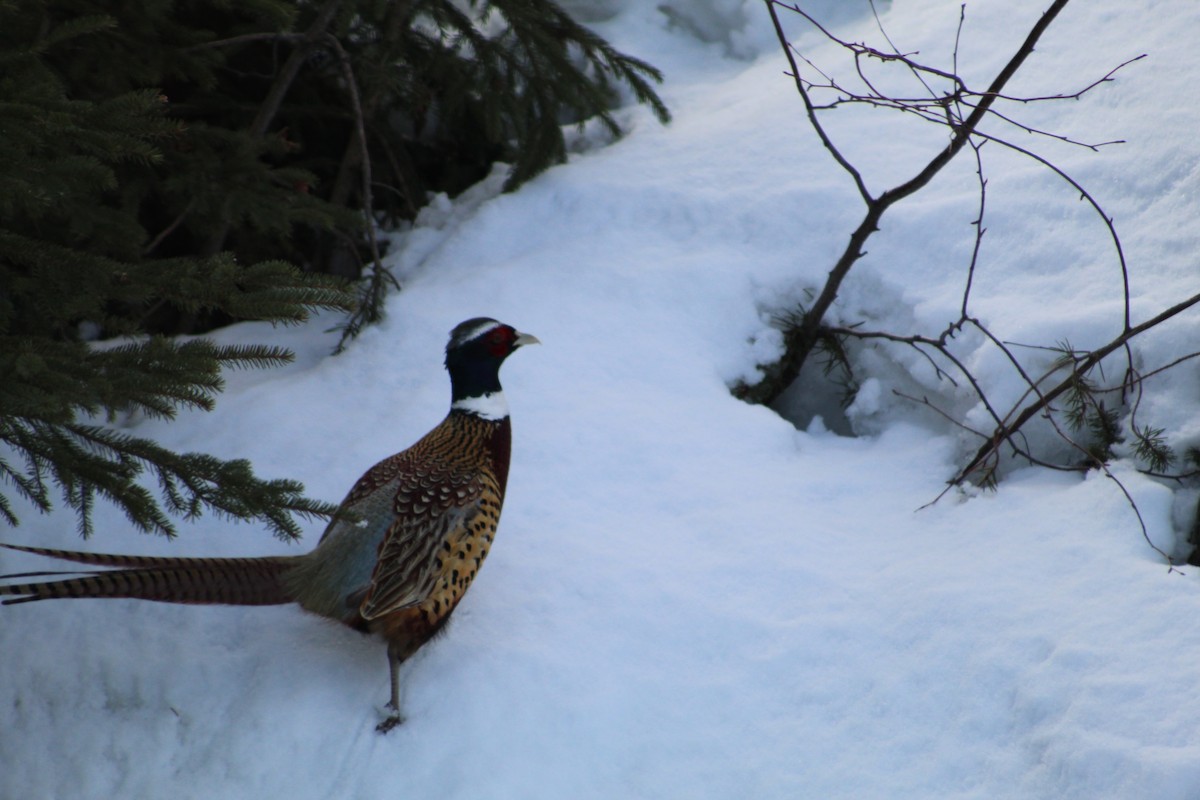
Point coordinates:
[(392, 720)]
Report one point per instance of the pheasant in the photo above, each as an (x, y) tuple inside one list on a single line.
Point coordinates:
[(414, 532)]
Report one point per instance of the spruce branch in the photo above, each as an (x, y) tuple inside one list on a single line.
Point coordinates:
[(85, 461), (279, 89), (1084, 365), (89, 155), (58, 383)]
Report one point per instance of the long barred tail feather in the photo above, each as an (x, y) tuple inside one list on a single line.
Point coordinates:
[(228, 581), (48, 573), (99, 559)]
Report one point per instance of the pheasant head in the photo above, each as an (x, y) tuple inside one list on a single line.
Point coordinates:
[(474, 354)]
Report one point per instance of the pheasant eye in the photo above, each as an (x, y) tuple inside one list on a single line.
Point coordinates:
[(500, 340)]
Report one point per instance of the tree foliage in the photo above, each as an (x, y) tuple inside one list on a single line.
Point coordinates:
[(289, 128), (72, 267), (171, 165)]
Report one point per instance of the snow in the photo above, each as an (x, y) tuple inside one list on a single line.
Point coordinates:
[(690, 597)]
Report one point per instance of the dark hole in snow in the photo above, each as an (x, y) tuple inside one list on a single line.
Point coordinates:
[(815, 394)]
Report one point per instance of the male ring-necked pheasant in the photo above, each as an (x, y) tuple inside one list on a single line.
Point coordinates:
[(419, 526)]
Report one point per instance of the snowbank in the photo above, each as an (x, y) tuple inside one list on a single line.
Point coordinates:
[(689, 597)]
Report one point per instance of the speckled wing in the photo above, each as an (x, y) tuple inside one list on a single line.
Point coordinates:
[(432, 506)]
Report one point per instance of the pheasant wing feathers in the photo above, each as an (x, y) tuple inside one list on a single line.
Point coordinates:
[(432, 507)]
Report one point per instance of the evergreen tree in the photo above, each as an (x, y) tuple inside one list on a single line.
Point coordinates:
[(158, 159), (72, 266), (299, 122)]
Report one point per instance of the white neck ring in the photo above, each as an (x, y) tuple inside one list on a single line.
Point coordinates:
[(490, 406)]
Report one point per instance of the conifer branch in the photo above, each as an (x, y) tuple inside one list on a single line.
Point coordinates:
[(291, 67), (86, 461), (274, 98), (1084, 365), (125, 212), (61, 380)]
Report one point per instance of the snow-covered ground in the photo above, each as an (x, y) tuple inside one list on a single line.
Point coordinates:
[(689, 597)]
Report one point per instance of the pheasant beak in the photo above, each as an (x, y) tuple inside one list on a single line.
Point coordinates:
[(524, 339)]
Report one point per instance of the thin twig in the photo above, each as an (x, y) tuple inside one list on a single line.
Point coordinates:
[(247, 38), (801, 343), (1086, 196), (1137, 512), (896, 50), (924, 401), (808, 106), (360, 133), (1144, 376), (167, 231), (1108, 77), (979, 229)]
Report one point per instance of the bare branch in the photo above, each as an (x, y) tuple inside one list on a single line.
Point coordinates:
[(1145, 533), (808, 105), (380, 275), (924, 401), (1087, 197), (950, 103), (291, 68), (1144, 376), (979, 229), (801, 343), (360, 133), (1075, 95), (896, 50)]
